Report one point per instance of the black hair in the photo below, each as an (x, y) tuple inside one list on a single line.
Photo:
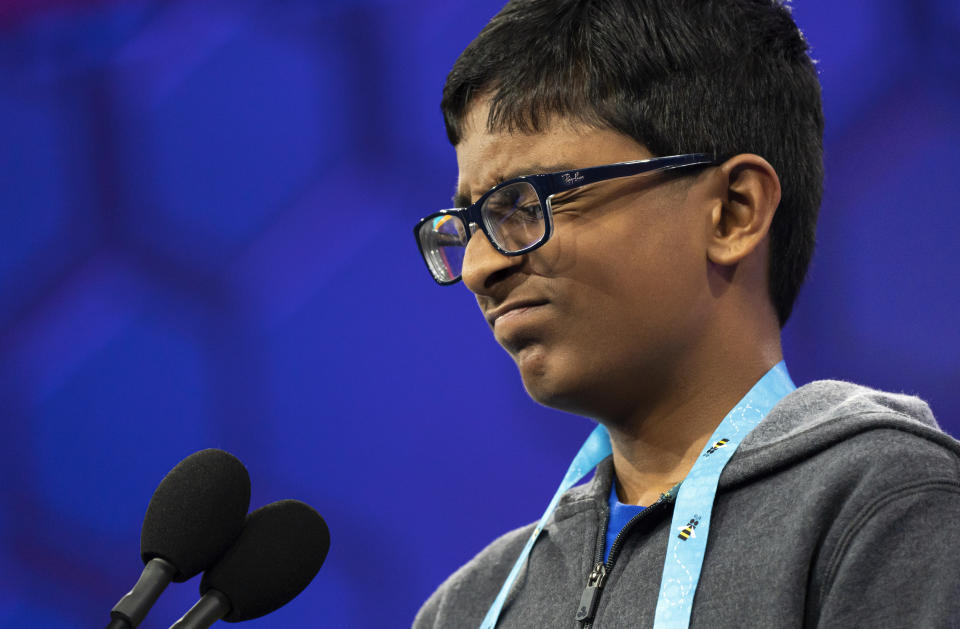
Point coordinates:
[(678, 76)]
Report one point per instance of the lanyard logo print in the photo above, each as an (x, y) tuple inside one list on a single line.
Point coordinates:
[(691, 515)]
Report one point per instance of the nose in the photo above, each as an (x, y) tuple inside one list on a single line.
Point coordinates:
[(483, 264)]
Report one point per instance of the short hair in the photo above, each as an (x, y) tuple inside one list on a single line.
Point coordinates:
[(678, 76)]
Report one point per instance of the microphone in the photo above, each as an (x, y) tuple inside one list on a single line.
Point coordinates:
[(194, 516), (280, 550)]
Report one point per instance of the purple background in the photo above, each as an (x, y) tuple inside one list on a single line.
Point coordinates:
[(205, 240)]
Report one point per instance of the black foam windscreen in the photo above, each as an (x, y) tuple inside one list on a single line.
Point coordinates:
[(197, 512), (282, 547)]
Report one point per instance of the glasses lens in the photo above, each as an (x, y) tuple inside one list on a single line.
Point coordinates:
[(513, 216), (444, 241)]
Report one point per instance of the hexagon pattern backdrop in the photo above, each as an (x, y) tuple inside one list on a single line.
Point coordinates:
[(206, 242)]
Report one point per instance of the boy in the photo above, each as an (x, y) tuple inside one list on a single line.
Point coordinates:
[(637, 200)]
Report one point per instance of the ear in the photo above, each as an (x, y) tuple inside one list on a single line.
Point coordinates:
[(741, 220)]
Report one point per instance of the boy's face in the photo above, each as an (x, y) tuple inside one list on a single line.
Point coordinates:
[(615, 302)]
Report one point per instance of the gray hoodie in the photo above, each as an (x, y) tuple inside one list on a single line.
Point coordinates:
[(841, 509)]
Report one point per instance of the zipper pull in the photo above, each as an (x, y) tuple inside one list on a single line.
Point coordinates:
[(591, 593)]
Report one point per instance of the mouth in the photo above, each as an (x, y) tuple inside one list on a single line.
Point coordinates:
[(513, 311)]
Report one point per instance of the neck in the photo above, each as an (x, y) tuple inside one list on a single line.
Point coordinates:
[(656, 448)]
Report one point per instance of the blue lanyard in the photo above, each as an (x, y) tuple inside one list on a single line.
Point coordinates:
[(691, 515)]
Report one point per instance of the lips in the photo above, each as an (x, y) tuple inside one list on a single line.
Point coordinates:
[(512, 309)]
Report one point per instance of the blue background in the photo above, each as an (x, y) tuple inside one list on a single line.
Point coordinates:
[(205, 240)]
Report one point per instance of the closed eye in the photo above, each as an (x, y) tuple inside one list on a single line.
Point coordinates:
[(522, 213)]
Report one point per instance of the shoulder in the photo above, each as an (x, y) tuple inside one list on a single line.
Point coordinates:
[(860, 486), (463, 599), (894, 494), (867, 470), (843, 453)]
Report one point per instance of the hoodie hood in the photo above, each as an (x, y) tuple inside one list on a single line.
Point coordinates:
[(822, 413)]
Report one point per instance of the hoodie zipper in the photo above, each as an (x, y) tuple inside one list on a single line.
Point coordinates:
[(590, 597)]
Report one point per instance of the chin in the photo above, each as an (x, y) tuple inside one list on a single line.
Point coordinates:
[(532, 364), (547, 381), (565, 381)]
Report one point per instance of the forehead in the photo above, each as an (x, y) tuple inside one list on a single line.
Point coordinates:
[(486, 157)]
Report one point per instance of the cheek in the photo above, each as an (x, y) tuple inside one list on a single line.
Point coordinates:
[(628, 257)]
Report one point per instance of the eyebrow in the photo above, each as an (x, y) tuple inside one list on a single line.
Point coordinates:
[(463, 200)]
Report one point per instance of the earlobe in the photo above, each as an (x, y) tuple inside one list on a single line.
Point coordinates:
[(740, 220)]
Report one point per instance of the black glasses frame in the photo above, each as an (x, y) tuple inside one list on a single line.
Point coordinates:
[(546, 186)]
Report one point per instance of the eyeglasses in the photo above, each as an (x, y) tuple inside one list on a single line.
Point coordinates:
[(516, 215)]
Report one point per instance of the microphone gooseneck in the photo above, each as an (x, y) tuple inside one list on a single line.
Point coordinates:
[(194, 516), (280, 550), (133, 607), (211, 607)]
